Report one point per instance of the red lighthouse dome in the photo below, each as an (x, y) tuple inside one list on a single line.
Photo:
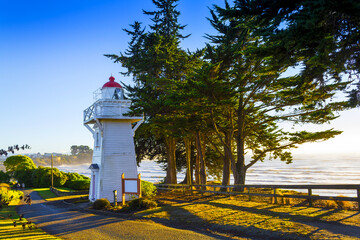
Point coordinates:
[(111, 83)]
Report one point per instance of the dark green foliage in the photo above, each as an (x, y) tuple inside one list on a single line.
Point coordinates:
[(77, 181), (246, 96), (41, 177), (21, 168), (18, 162), (101, 203), (83, 184), (156, 62), (140, 203), (148, 146), (148, 189), (4, 177), (24, 171), (166, 19), (25, 176), (74, 176), (234, 101), (322, 36)]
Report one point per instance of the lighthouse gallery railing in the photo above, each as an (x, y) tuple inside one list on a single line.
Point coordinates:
[(107, 109)]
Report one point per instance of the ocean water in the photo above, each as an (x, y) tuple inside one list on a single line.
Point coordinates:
[(305, 169)]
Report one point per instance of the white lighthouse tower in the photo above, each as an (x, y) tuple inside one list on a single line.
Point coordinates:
[(113, 131)]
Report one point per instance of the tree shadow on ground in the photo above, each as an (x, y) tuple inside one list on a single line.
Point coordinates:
[(333, 226), (64, 220), (178, 216)]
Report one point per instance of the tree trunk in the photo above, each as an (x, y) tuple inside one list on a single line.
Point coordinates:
[(170, 143), (240, 164), (226, 162), (197, 162), (201, 150), (188, 159), (241, 170)]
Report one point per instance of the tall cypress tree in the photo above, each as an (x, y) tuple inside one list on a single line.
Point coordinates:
[(323, 37), (260, 97), (156, 62)]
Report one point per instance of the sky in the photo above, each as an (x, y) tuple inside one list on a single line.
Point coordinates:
[(51, 62)]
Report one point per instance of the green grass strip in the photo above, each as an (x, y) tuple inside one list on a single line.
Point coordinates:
[(45, 193), (8, 231)]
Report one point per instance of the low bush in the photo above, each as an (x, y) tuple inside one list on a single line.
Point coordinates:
[(4, 187), (345, 205), (77, 181), (83, 184), (25, 176), (148, 189), (4, 177), (11, 195), (41, 177), (101, 204), (141, 203)]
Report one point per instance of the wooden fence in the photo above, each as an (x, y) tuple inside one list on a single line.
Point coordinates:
[(228, 190)]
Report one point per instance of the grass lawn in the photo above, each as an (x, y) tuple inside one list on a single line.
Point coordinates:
[(45, 193), (48, 195), (8, 231), (65, 189), (259, 219)]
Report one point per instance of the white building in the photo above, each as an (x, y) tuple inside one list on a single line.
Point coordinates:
[(113, 131)]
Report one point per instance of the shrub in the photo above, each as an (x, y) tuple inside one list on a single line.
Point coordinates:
[(4, 177), (4, 187), (141, 203), (77, 181), (24, 176), (83, 184), (345, 205), (73, 176), (101, 204), (148, 189), (18, 162), (41, 177), (7, 196)]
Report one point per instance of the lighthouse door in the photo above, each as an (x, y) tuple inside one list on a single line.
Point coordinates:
[(93, 186), (94, 181)]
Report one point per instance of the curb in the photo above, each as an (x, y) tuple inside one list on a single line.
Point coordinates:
[(100, 212), (106, 213)]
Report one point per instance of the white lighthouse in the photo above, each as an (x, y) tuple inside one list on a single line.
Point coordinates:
[(113, 131)]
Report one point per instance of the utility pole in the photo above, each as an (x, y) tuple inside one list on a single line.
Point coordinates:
[(52, 174)]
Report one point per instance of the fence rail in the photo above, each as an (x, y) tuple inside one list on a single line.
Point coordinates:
[(310, 197)]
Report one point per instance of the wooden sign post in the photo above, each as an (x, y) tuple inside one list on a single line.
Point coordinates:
[(130, 186)]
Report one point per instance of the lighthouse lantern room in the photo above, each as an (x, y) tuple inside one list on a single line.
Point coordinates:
[(113, 131)]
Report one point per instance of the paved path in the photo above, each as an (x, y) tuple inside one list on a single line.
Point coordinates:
[(65, 222)]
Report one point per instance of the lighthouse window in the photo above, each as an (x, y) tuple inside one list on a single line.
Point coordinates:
[(117, 94), (97, 140)]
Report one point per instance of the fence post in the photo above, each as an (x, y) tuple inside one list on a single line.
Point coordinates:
[(358, 197), (275, 199), (309, 197), (123, 189)]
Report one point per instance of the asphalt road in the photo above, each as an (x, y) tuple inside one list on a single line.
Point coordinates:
[(64, 221)]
